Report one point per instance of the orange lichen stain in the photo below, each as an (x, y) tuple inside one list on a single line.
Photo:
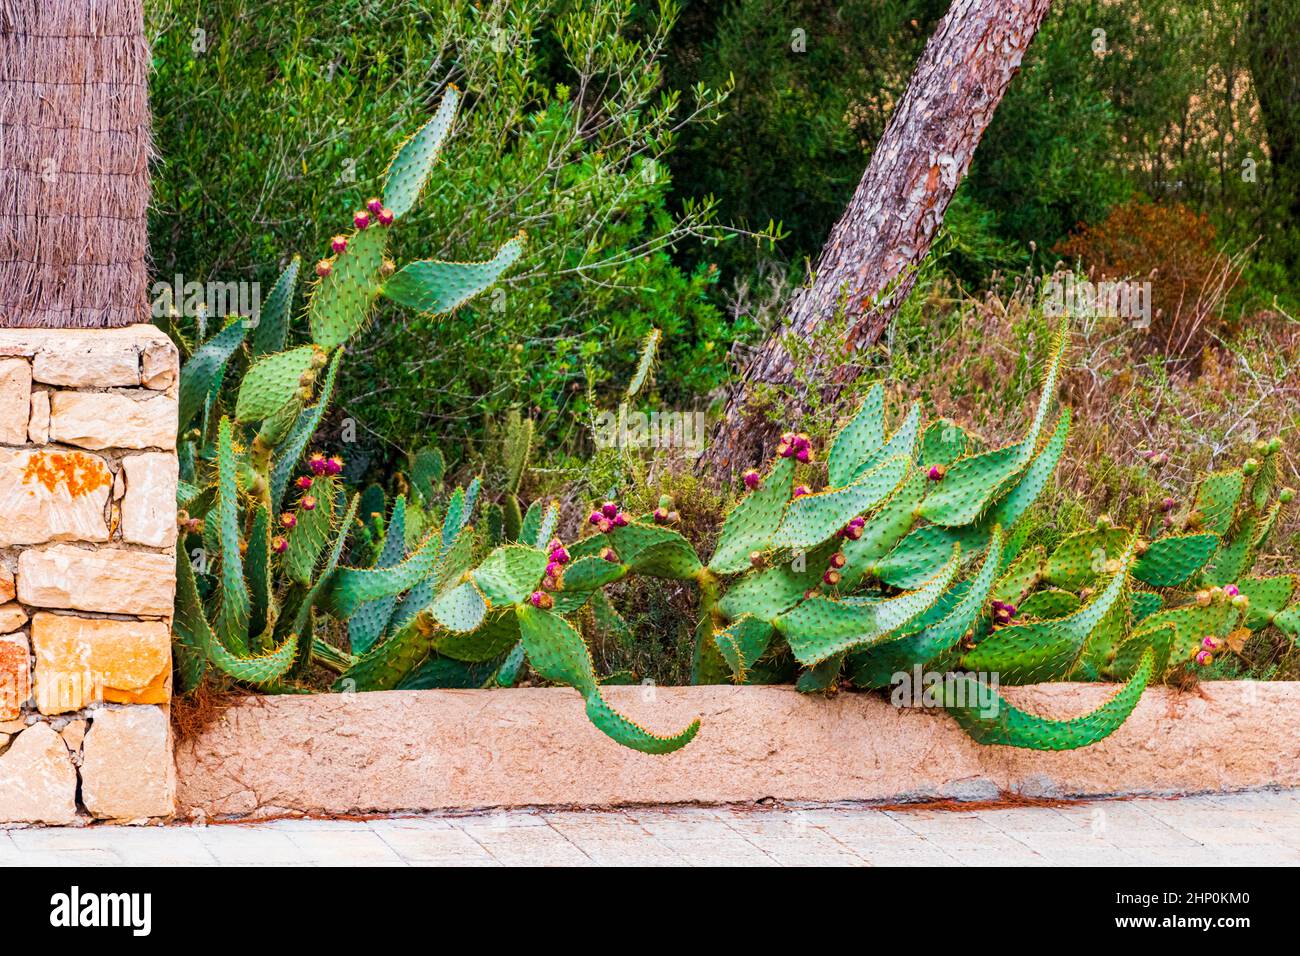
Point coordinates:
[(79, 473)]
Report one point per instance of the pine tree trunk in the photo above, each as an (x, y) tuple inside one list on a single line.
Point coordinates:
[(899, 204)]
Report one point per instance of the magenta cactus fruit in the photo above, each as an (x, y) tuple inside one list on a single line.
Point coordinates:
[(936, 472), (288, 519), (786, 448), (308, 503), (609, 509), (324, 268), (831, 577), (621, 520), (1204, 657), (553, 569), (386, 216), (1231, 590), (361, 219), (803, 455), (279, 545), (660, 515), (339, 244), (604, 525), (1209, 642), (551, 583), (559, 555), (1169, 504), (595, 517), (542, 600), (751, 479), (851, 531), (375, 205), (838, 560), (610, 555), (304, 483), (316, 463), (800, 491), (334, 466)]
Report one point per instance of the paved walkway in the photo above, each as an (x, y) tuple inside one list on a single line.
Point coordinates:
[(1243, 829)]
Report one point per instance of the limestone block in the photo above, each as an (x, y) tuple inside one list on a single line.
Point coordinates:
[(149, 507), (112, 420), (15, 675), (12, 617), (38, 783), (47, 494), (127, 772), (80, 661), (15, 400), (38, 427), (112, 580)]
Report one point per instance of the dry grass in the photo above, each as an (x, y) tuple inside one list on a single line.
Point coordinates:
[(74, 154)]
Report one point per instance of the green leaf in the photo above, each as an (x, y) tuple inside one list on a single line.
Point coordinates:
[(751, 525), (435, 288)]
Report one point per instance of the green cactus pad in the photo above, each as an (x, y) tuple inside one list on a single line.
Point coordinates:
[(920, 555), (260, 670), (461, 609), (1011, 506), (436, 671), (942, 443), (386, 665), (654, 551), (271, 383), (708, 666), (608, 622), (859, 440), (768, 592), (884, 531), (234, 611), (291, 449), (971, 484), (1236, 556), (1049, 603), (752, 523), (272, 330), (202, 373), (1268, 596), (341, 301), (1142, 604), (309, 537), (510, 573), (258, 569), (1217, 498), (742, 643), (901, 442), (1156, 639), (1288, 622), (434, 287), (369, 619), (1171, 561), (1081, 558), (190, 627), (1191, 623), (460, 510), (1012, 727), (591, 572), (821, 627), (876, 666), (491, 640), (1021, 577), (631, 734), (409, 169), (811, 519)]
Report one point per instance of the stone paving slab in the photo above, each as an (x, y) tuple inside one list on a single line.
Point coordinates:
[(1250, 829)]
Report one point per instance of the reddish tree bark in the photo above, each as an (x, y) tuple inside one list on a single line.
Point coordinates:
[(899, 204)]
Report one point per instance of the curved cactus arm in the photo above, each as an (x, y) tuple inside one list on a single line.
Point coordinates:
[(369, 620), (409, 169), (920, 555), (821, 627), (1082, 557), (876, 666), (811, 519), (653, 551), (352, 587), (901, 442), (202, 373), (860, 439), (989, 719), (750, 526), (558, 653), (461, 609), (1169, 562), (386, 665), (190, 627), (302, 619), (435, 287), (234, 611), (272, 329), (295, 443), (264, 669), (1012, 506), (272, 382)]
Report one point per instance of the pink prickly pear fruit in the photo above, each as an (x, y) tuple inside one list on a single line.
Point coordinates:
[(752, 479), (621, 520), (554, 544), (387, 268), (334, 466), (786, 448), (838, 560), (560, 555), (609, 509), (288, 519), (831, 577), (1209, 643), (317, 463), (308, 503), (550, 583), (279, 545), (1168, 504), (386, 216), (304, 482), (801, 490), (1231, 590), (604, 525), (375, 205), (803, 455), (660, 515), (1204, 657), (541, 599), (361, 219), (610, 555), (595, 517), (852, 531), (324, 268), (553, 569), (936, 472), (339, 244)]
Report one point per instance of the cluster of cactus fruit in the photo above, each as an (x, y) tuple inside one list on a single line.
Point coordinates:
[(912, 553)]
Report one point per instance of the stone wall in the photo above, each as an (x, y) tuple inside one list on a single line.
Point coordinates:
[(88, 474)]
